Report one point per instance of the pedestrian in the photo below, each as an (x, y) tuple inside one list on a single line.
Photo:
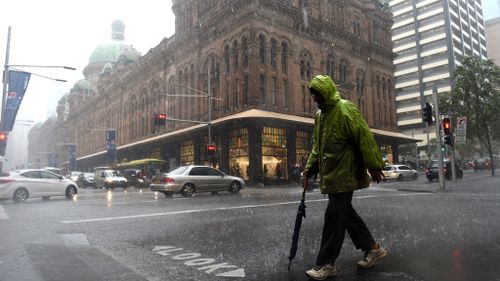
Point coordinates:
[(343, 149)]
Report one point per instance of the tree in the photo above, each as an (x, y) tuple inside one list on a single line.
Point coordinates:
[(477, 97)]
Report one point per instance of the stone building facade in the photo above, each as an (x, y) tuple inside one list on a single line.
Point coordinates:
[(255, 59)]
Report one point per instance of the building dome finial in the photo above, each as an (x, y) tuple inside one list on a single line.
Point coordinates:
[(118, 30)]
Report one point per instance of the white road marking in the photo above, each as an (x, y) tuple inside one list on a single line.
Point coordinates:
[(220, 209), (208, 265), (3, 215)]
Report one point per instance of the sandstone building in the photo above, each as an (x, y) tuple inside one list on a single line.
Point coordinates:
[(255, 58)]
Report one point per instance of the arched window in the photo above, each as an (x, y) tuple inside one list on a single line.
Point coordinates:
[(262, 49), (309, 70), (273, 53), (302, 70), (384, 97), (226, 58), (376, 104), (284, 57), (330, 65), (244, 55), (343, 71), (305, 66), (235, 53), (356, 26)]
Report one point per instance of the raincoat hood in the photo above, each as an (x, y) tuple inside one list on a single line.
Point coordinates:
[(326, 87)]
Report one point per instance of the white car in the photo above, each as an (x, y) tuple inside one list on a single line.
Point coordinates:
[(399, 172), (20, 185)]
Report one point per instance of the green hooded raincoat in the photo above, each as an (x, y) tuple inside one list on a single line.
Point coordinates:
[(343, 147)]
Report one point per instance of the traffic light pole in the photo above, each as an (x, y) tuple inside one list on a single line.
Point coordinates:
[(209, 109), (442, 185)]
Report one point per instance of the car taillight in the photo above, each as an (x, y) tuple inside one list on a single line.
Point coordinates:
[(4, 181), (168, 180)]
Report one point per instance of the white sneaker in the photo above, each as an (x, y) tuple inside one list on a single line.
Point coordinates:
[(372, 257), (322, 272)]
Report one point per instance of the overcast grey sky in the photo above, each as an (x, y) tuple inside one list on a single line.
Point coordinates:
[(62, 32), (65, 32)]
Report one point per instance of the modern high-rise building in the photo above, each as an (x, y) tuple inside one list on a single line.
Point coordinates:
[(430, 39)]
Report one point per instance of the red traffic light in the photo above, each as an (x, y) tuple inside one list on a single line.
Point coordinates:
[(211, 150), (446, 124), (3, 136), (160, 119)]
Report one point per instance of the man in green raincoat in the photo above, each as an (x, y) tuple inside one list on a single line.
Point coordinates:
[(343, 149)]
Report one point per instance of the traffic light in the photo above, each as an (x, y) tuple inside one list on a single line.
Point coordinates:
[(427, 113), (3, 143), (160, 119), (211, 150), (446, 124), (3, 137), (448, 140), (448, 136)]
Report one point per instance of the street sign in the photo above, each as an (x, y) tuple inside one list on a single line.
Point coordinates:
[(461, 132)]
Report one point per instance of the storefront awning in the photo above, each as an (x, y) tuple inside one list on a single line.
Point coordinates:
[(257, 113)]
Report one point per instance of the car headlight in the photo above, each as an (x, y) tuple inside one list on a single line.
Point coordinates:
[(108, 181)]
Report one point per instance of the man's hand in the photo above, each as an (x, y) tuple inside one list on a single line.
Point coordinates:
[(376, 174), (306, 174)]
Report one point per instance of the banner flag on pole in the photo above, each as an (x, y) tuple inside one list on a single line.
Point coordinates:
[(72, 156), (18, 82), (111, 145)]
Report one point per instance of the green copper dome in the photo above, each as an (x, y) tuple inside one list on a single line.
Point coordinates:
[(129, 55), (83, 85), (110, 50), (107, 52)]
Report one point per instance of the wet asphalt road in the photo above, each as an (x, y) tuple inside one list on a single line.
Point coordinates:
[(134, 235)]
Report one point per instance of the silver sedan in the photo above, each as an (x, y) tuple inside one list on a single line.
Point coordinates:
[(188, 180)]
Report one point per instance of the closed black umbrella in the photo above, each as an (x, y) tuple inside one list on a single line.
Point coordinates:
[(301, 213)]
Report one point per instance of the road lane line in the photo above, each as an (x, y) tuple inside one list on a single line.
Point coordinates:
[(3, 215), (219, 209)]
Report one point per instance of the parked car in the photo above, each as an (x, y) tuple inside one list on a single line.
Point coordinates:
[(135, 179), (53, 170), (399, 172), (85, 180), (23, 184), (482, 164), (188, 180), (432, 171), (74, 175), (108, 178)]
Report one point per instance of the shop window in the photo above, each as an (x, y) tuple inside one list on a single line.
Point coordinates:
[(187, 153), (302, 147), (238, 153), (274, 153)]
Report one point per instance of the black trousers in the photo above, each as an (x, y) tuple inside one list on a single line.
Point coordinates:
[(339, 217)]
